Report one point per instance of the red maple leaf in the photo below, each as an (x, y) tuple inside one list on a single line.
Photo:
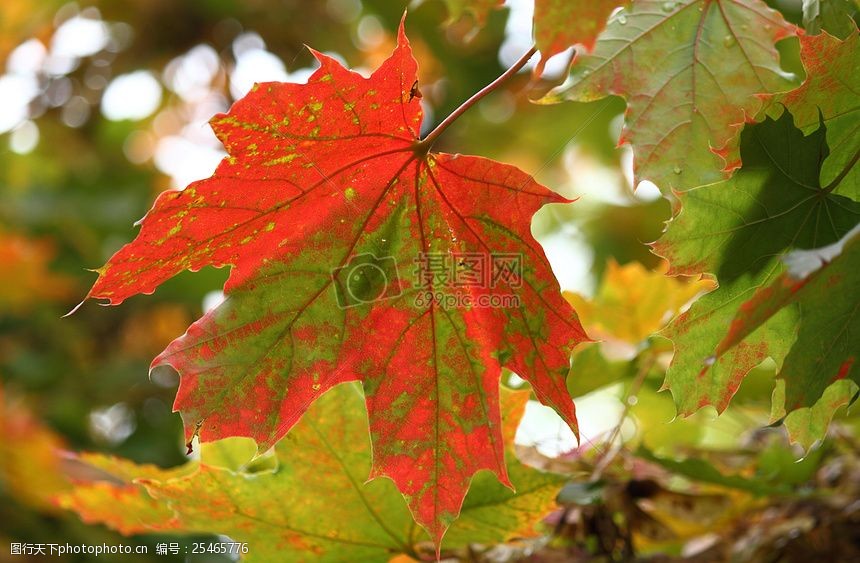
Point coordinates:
[(351, 247)]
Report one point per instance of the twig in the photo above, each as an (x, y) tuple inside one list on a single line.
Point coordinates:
[(424, 144)]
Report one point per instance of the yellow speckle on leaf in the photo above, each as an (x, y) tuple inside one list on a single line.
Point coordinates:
[(286, 159)]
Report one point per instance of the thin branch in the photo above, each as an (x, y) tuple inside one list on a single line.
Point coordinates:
[(604, 460), (427, 142)]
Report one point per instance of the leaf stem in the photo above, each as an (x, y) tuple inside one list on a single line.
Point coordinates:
[(424, 144), (832, 185)]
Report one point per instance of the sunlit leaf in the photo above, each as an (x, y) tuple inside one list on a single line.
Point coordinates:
[(690, 72), (326, 208)]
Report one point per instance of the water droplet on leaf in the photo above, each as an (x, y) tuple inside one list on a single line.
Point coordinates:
[(677, 170), (729, 40), (622, 19), (668, 6)]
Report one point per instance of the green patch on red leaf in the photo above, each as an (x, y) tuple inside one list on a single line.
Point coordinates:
[(356, 254)]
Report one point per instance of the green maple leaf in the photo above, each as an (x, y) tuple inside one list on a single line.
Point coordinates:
[(690, 72), (831, 92), (821, 371), (808, 425), (738, 229), (315, 504)]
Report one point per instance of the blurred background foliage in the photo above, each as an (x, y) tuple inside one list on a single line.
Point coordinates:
[(105, 104)]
